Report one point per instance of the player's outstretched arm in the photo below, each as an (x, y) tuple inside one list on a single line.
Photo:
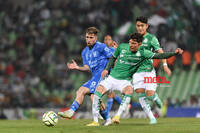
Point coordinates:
[(167, 54), (74, 65)]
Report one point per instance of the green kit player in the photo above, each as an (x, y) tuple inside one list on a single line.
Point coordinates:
[(147, 91), (129, 58)]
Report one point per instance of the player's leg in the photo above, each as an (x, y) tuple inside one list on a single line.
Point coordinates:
[(117, 98), (151, 90), (80, 94), (100, 90), (128, 92), (140, 88), (104, 85), (110, 101), (153, 96), (103, 111), (105, 114), (140, 92), (87, 88)]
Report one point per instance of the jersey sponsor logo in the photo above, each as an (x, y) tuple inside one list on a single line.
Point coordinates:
[(145, 40), (90, 55), (144, 44), (158, 79), (121, 61), (138, 54), (93, 64), (95, 53), (121, 55), (128, 63), (123, 51)]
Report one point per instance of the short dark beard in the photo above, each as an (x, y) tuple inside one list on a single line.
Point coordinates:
[(90, 47)]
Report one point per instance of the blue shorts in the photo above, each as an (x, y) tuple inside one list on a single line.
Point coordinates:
[(93, 82)]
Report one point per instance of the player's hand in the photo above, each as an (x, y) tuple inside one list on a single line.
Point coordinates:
[(179, 51), (114, 44), (72, 65), (167, 70), (104, 73)]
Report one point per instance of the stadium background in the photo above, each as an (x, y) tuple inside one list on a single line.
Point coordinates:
[(38, 37)]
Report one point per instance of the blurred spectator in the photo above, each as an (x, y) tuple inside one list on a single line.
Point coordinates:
[(156, 63), (2, 115), (197, 58), (170, 62), (169, 102), (186, 59), (192, 102), (38, 37)]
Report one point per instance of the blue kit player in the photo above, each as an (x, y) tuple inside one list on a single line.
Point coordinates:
[(95, 58)]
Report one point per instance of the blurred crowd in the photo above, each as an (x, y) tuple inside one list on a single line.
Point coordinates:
[(193, 101), (36, 40)]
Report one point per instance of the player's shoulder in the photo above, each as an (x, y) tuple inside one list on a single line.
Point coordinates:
[(100, 44), (84, 50), (149, 35), (141, 49)]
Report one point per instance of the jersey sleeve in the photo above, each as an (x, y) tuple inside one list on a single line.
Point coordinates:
[(147, 54), (85, 62), (106, 51), (117, 52), (155, 44)]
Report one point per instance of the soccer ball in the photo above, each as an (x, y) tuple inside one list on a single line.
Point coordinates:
[(50, 118)]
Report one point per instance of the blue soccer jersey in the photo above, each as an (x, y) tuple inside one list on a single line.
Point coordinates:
[(96, 58), (112, 49)]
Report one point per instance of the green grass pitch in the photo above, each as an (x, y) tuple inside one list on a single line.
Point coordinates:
[(165, 125)]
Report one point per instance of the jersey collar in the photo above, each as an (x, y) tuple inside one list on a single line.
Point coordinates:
[(92, 46)]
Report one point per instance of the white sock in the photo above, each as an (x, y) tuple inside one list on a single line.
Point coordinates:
[(125, 102), (96, 107), (146, 107)]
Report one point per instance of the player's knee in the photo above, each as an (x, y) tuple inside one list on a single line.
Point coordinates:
[(140, 90), (150, 93), (98, 89), (111, 95), (80, 93), (128, 90), (101, 89)]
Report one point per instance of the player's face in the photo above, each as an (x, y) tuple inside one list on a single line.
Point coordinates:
[(141, 27), (108, 40), (134, 45), (90, 39)]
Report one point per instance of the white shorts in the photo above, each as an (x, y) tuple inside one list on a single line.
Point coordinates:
[(112, 84), (144, 80)]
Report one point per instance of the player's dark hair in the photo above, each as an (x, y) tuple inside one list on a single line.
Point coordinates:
[(92, 30), (108, 35), (142, 19), (136, 36)]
